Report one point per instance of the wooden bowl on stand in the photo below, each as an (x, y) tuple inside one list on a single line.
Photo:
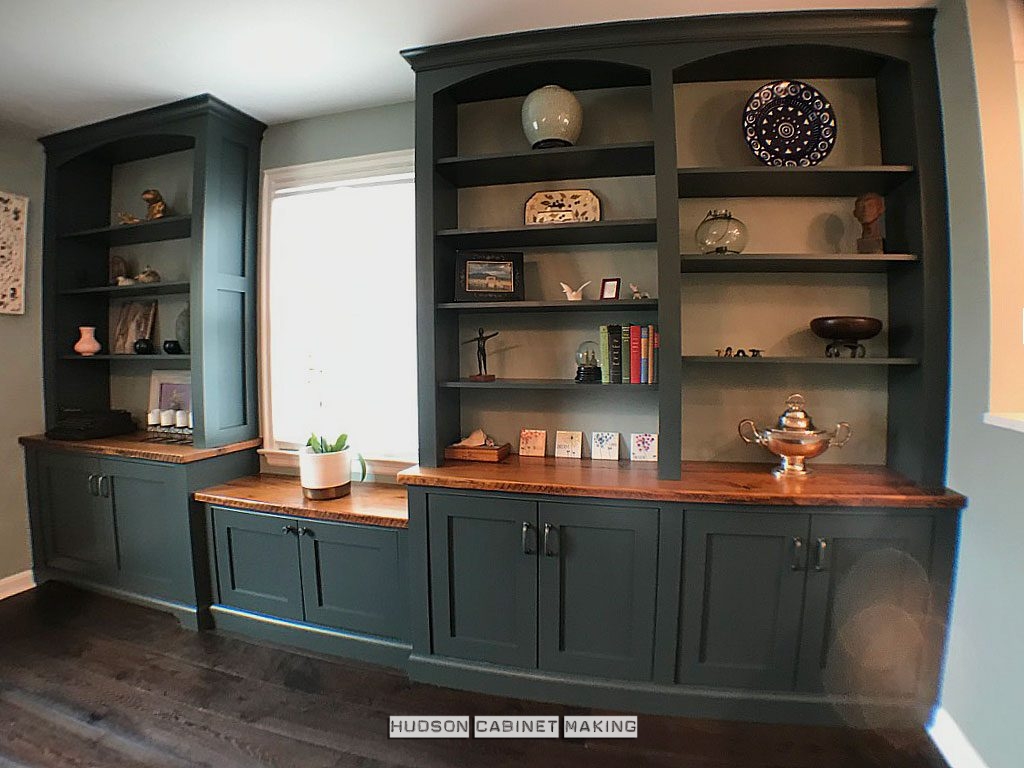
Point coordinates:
[(846, 332)]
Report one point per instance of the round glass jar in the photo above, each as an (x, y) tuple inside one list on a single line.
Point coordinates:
[(721, 232)]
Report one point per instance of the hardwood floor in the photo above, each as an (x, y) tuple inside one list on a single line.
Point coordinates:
[(90, 681)]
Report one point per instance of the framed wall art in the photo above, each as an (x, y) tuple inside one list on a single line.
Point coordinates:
[(488, 276), (13, 212)]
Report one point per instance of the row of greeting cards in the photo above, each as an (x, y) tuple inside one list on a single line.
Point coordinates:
[(643, 446)]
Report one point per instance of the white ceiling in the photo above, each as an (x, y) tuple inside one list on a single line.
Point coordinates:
[(65, 63)]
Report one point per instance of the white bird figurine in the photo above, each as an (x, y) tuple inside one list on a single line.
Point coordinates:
[(572, 295)]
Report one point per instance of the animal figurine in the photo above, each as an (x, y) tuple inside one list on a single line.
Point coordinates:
[(156, 208), (572, 295), (148, 275), (637, 293), (127, 218)]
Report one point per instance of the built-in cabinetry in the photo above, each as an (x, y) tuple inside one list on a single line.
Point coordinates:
[(203, 156), (662, 143), (124, 524)]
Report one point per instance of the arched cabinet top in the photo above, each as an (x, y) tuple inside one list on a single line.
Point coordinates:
[(784, 61)]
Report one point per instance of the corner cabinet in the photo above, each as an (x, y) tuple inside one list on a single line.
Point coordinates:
[(555, 586), (203, 155)]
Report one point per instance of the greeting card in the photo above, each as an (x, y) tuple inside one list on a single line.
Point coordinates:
[(643, 447), (604, 445), (532, 442), (568, 445)]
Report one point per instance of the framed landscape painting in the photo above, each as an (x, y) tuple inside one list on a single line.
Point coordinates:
[(488, 276)]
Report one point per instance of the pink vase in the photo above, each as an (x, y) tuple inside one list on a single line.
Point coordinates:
[(87, 344)]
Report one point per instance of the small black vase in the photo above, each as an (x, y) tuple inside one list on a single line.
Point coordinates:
[(173, 347), (143, 347)]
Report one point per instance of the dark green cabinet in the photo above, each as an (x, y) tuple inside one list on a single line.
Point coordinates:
[(257, 565), (596, 589), (561, 587), (744, 581), (336, 575), (483, 555), (79, 522), (834, 603)]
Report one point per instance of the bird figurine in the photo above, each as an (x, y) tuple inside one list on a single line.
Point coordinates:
[(572, 295), (637, 293)]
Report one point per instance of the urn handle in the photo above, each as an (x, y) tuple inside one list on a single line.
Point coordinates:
[(754, 437), (842, 436)]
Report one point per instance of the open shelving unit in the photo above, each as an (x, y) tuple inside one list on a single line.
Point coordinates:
[(209, 153), (688, 73)]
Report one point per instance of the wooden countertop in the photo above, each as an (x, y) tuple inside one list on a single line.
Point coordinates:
[(368, 504), (701, 482), (138, 446)]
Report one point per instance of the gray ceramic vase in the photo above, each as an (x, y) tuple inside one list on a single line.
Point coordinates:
[(552, 117), (183, 329)]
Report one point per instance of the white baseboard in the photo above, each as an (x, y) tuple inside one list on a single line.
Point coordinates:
[(16, 584), (951, 742)]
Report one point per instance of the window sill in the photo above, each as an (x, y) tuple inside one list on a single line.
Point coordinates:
[(1014, 421), (377, 470)]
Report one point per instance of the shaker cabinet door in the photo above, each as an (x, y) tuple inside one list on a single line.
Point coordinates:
[(258, 562), (78, 523), (743, 582), (598, 584), (483, 574), (866, 620), (352, 578)]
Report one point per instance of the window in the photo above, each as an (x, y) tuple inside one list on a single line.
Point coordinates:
[(338, 306)]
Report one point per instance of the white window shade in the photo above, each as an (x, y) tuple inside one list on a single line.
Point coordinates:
[(340, 312)]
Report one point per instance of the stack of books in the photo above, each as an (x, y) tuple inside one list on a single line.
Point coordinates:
[(629, 354)]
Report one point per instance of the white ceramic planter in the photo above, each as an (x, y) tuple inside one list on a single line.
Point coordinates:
[(552, 117), (325, 475)]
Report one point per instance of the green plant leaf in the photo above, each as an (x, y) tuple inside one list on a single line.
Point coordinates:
[(340, 445), (362, 463), (314, 443), (324, 448)]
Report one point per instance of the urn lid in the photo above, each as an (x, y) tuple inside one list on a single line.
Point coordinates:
[(795, 418)]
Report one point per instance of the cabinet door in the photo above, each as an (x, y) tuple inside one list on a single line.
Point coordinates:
[(597, 589), (743, 582), (483, 578), (153, 533), (351, 578), (258, 562), (866, 627), (78, 523)]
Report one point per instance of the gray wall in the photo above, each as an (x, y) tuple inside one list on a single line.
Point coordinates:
[(362, 132), (21, 392), (984, 673)]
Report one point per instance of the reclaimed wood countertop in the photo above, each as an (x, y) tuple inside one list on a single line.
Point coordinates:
[(701, 482), (368, 504), (138, 445)]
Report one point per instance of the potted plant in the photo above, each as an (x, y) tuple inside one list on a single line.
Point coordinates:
[(325, 468)]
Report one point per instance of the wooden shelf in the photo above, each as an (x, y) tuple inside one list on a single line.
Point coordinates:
[(704, 359), (584, 233), (139, 289), (559, 163), (770, 181), (543, 384), (167, 228), (793, 262), (160, 358), (621, 305)]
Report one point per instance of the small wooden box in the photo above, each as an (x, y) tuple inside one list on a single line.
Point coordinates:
[(478, 453)]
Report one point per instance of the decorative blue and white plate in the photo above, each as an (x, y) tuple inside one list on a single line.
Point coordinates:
[(787, 122)]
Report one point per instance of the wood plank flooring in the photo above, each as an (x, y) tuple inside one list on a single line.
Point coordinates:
[(87, 680)]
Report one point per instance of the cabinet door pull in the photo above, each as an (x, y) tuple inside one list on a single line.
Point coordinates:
[(93, 486), (821, 555), (307, 532), (551, 541), (529, 539), (289, 529), (103, 484), (799, 562)]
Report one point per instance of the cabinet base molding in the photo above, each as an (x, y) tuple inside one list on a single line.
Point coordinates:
[(375, 650), (660, 699), (189, 616), (16, 584)]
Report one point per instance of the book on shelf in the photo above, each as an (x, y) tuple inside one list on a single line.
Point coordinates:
[(655, 361), (634, 354), (625, 355), (615, 354), (645, 352), (605, 362)]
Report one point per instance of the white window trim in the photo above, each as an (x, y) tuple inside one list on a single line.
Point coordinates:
[(274, 181)]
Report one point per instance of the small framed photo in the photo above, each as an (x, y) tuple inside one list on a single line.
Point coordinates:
[(532, 442), (568, 445), (643, 446), (488, 276), (610, 288), (605, 446), (170, 391)]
